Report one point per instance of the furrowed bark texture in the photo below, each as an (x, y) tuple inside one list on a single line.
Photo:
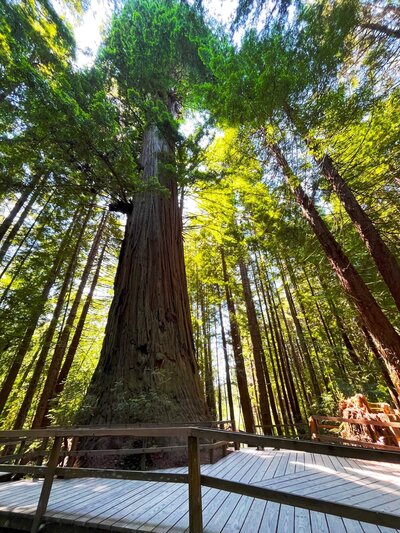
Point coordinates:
[(147, 370)]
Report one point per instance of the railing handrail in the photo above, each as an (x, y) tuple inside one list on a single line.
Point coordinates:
[(194, 477), (239, 437), (359, 421), (150, 430)]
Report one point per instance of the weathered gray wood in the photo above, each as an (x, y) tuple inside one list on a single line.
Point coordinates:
[(161, 507), (373, 517), (299, 445), (195, 507), (37, 471), (238, 515), (92, 431), (271, 517), (318, 523), (162, 477), (254, 516), (48, 482)]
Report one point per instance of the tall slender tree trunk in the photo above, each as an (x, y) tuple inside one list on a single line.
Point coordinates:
[(295, 351), (384, 259), (147, 369), (25, 343), (371, 315), (355, 359), (284, 358), (227, 370), (14, 230), (267, 404), (241, 377), (272, 354), (62, 343), (276, 345), (51, 330), (293, 280), (7, 222), (303, 344), (73, 347)]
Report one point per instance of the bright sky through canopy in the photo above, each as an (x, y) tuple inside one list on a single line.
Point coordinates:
[(88, 33)]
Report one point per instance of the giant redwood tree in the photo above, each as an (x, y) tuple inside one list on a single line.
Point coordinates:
[(147, 369)]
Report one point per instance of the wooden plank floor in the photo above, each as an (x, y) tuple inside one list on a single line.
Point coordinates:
[(117, 505)]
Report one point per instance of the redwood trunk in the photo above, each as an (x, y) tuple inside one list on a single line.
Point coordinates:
[(51, 330), (303, 344), (227, 371), (384, 259), (371, 315), (266, 403), (241, 377), (14, 230), (73, 347), (25, 343), (61, 346), (147, 370), (7, 222)]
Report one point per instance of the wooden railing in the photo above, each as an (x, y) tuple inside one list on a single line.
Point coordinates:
[(326, 428), (193, 478)]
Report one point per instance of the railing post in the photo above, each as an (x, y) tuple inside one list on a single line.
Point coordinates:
[(47, 483), (313, 428), (195, 507)]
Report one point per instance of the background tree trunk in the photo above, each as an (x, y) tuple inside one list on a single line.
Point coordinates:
[(371, 315), (241, 377)]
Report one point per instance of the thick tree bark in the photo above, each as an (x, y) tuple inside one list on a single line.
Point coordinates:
[(62, 343), (147, 370), (241, 377), (267, 404), (371, 315)]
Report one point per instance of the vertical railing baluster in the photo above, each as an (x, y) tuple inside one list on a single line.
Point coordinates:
[(47, 483), (195, 507)]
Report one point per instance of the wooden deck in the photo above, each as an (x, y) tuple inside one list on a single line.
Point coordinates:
[(120, 505)]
